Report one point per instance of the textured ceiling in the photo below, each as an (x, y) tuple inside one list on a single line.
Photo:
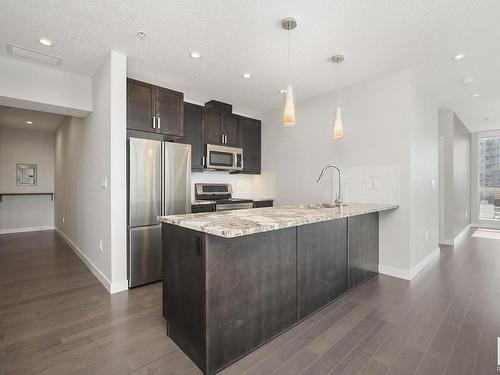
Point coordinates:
[(16, 118), (376, 36)]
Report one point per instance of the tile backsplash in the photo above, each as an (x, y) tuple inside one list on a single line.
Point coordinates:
[(244, 186), (372, 184)]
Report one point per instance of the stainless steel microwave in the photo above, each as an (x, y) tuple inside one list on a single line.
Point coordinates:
[(224, 158)]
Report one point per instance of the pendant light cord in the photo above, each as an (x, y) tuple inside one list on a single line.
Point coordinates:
[(289, 74), (338, 84)]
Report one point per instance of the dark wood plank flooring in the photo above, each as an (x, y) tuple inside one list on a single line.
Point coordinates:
[(56, 318)]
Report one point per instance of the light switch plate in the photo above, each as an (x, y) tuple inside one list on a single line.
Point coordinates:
[(376, 183), (369, 183)]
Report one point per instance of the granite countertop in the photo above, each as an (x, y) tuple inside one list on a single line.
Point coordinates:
[(256, 220)]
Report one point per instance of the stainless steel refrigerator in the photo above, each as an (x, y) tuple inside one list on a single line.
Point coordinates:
[(159, 184)]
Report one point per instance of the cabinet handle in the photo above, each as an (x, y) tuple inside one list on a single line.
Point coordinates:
[(225, 138), (203, 161), (222, 137), (154, 122), (159, 122)]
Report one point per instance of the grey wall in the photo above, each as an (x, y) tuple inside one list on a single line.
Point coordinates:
[(455, 176), (23, 213), (386, 123)]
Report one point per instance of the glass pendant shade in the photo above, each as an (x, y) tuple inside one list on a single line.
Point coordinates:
[(289, 108), (338, 129)]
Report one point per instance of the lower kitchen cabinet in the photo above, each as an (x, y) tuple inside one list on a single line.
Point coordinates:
[(197, 208), (321, 264), (250, 293), (363, 248), (261, 204)]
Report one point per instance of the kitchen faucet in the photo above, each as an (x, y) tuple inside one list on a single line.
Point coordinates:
[(338, 198)]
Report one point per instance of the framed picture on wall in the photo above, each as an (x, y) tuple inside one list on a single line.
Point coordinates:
[(26, 174)]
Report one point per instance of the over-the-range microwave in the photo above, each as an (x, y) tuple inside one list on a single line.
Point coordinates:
[(224, 158)]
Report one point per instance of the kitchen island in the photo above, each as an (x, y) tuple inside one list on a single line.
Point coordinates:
[(234, 280)]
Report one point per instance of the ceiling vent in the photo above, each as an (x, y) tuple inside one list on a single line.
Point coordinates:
[(33, 55)]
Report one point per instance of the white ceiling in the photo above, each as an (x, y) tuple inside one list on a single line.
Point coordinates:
[(377, 37), (17, 118)]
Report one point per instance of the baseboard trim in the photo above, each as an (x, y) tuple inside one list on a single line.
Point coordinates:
[(394, 272), (408, 274), (461, 236), (110, 287), (30, 229), (424, 263)]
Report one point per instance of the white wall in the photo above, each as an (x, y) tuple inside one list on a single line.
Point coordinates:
[(40, 88), (22, 213), (378, 143), (424, 162), (88, 151), (455, 176)]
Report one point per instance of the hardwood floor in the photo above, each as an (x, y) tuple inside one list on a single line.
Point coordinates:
[(56, 318)]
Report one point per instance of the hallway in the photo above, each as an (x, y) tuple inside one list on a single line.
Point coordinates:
[(56, 318)]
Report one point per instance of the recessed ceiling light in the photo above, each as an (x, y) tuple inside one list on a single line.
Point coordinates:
[(476, 95), (459, 57), (29, 122), (468, 80), (195, 55), (283, 91), (45, 42), (246, 75)]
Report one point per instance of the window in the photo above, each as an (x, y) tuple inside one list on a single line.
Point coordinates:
[(489, 178)]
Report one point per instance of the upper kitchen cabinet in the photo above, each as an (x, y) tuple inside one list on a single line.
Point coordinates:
[(229, 129), (140, 106), (220, 125), (170, 112), (154, 109), (250, 141), (193, 125), (212, 128)]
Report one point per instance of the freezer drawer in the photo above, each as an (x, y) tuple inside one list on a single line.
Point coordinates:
[(144, 255)]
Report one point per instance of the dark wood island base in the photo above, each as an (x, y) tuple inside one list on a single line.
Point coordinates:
[(225, 297)]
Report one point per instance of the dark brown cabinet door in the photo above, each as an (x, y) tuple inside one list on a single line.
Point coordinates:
[(251, 134), (321, 264), (362, 248), (251, 292), (193, 135), (229, 128), (212, 128), (140, 106), (170, 112)]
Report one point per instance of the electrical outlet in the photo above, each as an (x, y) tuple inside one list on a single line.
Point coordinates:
[(376, 183), (104, 182), (433, 183), (100, 246), (466, 214), (426, 234), (369, 183), (63, 219)]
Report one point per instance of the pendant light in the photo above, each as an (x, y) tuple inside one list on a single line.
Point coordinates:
[(289, 105), (338, 128)]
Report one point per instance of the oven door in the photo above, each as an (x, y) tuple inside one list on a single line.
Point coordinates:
[(224, 158)]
